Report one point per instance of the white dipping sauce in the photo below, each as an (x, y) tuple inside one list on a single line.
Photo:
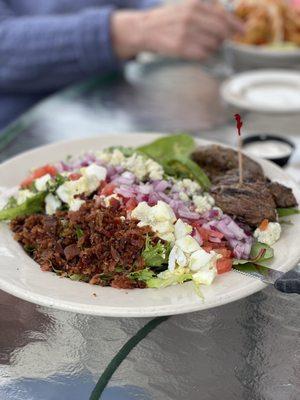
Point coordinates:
[(268, 149)]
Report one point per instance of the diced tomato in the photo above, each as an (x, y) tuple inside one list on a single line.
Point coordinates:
[(224, 265), (203, 233), (207, 233), (108, 189), (225, 253), (75, 176), (216, 234), (38, 173), (264, 225), (207, 246), (131, 204)]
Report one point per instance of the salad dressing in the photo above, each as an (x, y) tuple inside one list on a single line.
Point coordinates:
[(268, 149)]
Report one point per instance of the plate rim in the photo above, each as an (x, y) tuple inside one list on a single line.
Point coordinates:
[(229, 98), (264, 50), (144, 311)]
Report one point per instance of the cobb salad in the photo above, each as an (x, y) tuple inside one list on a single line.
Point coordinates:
[(138, 218)]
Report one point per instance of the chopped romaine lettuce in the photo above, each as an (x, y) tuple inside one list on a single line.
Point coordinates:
[(285, 212), (168, 278), (155, 255), (32, 205)]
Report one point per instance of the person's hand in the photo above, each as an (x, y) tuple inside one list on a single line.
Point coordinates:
[(190, 30)]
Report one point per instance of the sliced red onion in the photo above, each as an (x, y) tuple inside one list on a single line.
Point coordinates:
[(160, 186), (184, 212)]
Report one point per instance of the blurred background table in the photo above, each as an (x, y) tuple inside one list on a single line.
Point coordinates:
[(246, 350)]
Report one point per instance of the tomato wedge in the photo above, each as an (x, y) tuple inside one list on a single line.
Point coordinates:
[(224, 265), (38, 173)]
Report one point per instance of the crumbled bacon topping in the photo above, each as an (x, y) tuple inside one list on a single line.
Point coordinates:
[(96, 243)]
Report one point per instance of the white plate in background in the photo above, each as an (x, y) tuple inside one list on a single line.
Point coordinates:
[(22, 277), (271, 91)]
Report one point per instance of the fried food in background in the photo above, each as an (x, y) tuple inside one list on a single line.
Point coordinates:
[(268, 22)]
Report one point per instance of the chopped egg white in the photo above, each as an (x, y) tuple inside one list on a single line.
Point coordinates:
[(41, 183), (200, 258), (87, 184), (270, 235), (206, 275), (187, 244), (182, 229), (52, 203), (160, 218)]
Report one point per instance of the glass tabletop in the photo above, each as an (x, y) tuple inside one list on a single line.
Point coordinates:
[(249, 349)]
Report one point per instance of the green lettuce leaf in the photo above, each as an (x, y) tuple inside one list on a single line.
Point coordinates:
[(285, 212), (170, 279), (165, 148), (173, 153), (260, 252), (183, 167), (155, 255), (142, 275), (32, 205)]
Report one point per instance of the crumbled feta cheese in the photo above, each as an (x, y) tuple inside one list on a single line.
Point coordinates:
[(187, 186), (154, 170), (183, 196), (142, 167), (203, 202), (270, 235), (41, 183), (94, 170), (23, 195), (52, 204), (115, 157)]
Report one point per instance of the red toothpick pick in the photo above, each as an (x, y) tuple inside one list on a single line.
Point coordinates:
[(239, 124)]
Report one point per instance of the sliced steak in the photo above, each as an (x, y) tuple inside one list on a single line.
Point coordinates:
[(282, 195), (250, 202), (216, 160)]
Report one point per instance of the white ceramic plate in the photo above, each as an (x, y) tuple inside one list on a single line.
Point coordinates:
[(242, 56), (22, 277), (274, 91)]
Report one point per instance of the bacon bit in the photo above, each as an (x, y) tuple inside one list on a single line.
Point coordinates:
[(264, 225), (111, 248), (74, 177)]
